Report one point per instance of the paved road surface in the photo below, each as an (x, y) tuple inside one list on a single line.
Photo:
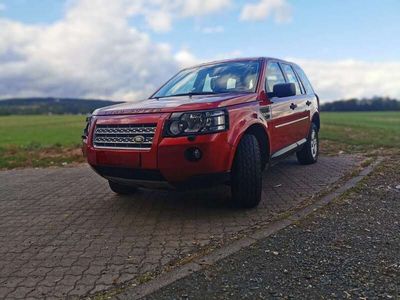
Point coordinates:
[(64, 233), (349, 250)]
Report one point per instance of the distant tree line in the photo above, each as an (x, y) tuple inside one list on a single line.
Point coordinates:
[(40, 106), (373, 104)]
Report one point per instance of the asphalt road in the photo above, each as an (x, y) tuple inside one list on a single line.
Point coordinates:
[(348, 250)]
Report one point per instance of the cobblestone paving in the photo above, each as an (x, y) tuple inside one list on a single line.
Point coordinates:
[(64, 233)]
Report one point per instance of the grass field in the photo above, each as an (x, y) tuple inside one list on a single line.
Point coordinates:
[(365, 130), (41, 131), (39, 141)]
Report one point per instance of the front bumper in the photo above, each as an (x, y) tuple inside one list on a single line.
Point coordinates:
[(165, 163)]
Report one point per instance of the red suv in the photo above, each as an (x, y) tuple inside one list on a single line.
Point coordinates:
[(219, 122)]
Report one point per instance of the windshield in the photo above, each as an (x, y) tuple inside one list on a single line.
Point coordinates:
[(240, 76)]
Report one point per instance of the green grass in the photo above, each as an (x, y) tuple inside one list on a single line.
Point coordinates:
[(41, 131), (365, 130), (39, 141)]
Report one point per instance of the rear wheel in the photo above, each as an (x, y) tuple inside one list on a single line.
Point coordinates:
[(309, 153), (122, 189), (246, 179)]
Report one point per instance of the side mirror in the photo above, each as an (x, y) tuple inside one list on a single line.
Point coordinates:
[(282, 90)]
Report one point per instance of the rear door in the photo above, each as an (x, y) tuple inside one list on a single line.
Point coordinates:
[(283, 118), (311, 104), (298, 105)]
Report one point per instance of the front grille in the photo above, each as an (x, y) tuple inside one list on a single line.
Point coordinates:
[(121, 136)]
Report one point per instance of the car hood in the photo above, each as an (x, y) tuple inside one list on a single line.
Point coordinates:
[(173, 104)]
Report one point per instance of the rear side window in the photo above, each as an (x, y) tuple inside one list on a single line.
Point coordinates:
[(274, 76), (306, 83), (291, 76)]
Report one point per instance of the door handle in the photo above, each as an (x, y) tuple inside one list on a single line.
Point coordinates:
[(293, 106), (308, 102)]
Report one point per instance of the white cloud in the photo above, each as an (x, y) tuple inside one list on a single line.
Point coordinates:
[(159, 21), (186, 59), (202, 7), (160, 14), (89, 53), (345, 79), (280, 9), (97, 53)]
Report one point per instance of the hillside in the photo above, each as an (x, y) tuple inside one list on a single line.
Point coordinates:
[(39, 106)]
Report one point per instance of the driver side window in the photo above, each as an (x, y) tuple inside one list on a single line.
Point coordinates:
[(291, 76)]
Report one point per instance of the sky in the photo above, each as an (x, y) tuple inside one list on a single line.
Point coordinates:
[(125, 49)]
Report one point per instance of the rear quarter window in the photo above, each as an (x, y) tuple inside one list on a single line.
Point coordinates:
[(306, 83)]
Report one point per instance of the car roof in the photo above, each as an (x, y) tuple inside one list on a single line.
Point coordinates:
[(238, 59)]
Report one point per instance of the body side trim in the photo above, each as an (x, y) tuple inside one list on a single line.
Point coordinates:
[(289, 148), (291, 122)]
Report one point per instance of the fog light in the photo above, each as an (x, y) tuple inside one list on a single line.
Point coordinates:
[(193, 154)]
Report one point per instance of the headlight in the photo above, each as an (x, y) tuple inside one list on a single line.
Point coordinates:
[(197, 122), (87, 127)]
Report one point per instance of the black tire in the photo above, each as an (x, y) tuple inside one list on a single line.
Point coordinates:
[(310, 151), (122, 189), (264, 165), (246, 177)]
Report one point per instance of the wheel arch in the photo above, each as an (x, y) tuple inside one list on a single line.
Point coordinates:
[(260, 131), (316, 120)]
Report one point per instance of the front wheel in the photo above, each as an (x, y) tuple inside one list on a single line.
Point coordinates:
[(246, 179), (309, 153), (122, 189)]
